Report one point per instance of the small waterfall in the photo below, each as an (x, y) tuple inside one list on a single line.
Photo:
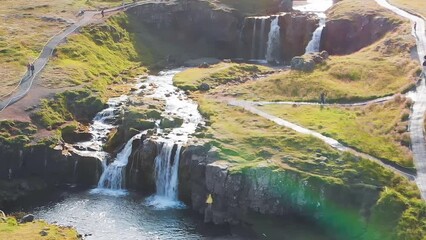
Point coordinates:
[(166, 170), (114, 176), (274, 42), (262, 43), (314, 44), (253, 41)]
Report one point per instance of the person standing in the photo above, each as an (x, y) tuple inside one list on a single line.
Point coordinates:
[(322, 98), (32, 69), (102, 13), (29, 69)]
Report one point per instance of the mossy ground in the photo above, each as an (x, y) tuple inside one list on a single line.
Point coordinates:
[(217, 75), (377, 129), (11, 229)]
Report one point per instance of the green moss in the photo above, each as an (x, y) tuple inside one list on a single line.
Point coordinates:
[(80, 105), (217, 75)]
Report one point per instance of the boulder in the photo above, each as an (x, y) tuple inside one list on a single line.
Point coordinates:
[(27, 218), (169, 122), (204, 87), (302, 64)]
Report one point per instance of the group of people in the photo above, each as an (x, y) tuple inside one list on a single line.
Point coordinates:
[(30, 68)]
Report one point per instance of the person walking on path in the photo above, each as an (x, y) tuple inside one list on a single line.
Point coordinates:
[(322, 98), (32, 69), (29, 69), (102, 13)]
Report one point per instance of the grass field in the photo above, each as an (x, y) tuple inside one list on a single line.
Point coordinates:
[(10, 229), (418, 6), (378, 129), (217, 75)]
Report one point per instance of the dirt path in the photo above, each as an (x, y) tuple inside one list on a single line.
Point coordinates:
[(250, 106)]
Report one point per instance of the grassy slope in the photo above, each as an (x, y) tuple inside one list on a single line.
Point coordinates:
[(100, 56), (10, 229), (377, 129), (247, 141), (216, 75), (417, 6), (383, 68), (23, 32), (251, 7)]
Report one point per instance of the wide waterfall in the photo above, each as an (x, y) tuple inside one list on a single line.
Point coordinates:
[(314, 44), (274, 42)]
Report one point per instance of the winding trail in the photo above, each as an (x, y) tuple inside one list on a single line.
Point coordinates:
[(27, 81), (250, 106)]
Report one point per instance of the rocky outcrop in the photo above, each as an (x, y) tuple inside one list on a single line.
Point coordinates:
[(141, 166), (296, 31), (343, 35), (308, 61), (265, 190), (202, 27)]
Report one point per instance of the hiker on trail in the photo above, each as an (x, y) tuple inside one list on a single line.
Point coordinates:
[(29, 68), (424, 61), (322, 98), (102, 13), (32, 69)]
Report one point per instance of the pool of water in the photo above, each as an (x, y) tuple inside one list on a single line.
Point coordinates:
[(103, 216)]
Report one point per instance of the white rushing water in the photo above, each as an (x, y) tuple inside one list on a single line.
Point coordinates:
[(262, 42), (318, 7), (314, 44), (114, 176), (99, 129), (177, 105), (274, 42), (253, 41)]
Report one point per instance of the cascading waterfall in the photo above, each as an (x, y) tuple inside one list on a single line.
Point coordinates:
[(274, 43), (166, 170), (114, 176), (314, 44), (169, 143)]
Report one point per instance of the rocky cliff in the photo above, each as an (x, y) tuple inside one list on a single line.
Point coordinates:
[(198, 26), (261, 189), (349, 32), (296, 30)]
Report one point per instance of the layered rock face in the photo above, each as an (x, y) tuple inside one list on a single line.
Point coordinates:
[(263, 189), (344, 36), (53, 165), (195, 24), (295, 32)]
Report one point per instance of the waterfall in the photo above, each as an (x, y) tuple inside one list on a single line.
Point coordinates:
[(253, 41), (314, 44), (262, 43), (114, 176), (274, 42), (166, 170)]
